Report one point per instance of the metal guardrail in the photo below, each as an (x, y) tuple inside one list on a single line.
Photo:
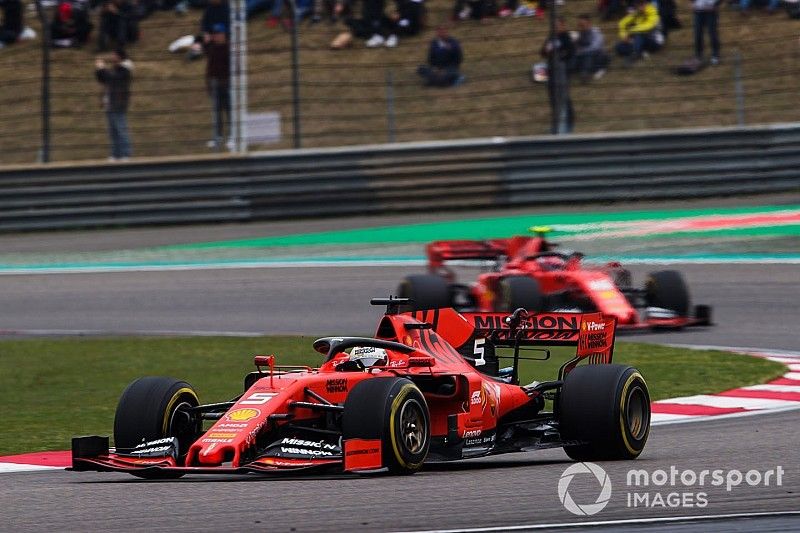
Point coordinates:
[(404, 177)]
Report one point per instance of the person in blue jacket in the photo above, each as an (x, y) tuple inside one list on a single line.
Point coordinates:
[(444, 61)]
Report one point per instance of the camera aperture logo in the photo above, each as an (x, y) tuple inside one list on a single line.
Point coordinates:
[(586, 509), (662, 488)]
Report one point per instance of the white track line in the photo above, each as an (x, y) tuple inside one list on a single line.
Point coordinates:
[(774, 388), (607, 523), (663, 418), (11, 468), (90, 269), (710, 400)]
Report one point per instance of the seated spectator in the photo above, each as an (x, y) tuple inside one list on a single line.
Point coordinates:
[(771, 5), (611, 9), (474, 9), (119, 25), (639, 32), (591, 60), (444, 60), (11, 29), (374, 25), (405, 21), (70, 27), (408, 18)]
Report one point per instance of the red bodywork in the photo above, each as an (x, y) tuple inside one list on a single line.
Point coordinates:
[(463, 416), (555, 273)]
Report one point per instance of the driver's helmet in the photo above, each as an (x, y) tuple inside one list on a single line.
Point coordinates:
[(369, 355), (551, 262)]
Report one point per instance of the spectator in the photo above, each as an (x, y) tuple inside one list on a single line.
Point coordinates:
[(668, 15), (706, 15), (639, 32), (70, 27), (374, 20), (772, 6), (373, 26), (119, 25), (116, 81), (559, 50), (11, 30), (611, 9), (216, 12), (474, 9), (444, 59), (218, 72), (591, 59), (408, 19)]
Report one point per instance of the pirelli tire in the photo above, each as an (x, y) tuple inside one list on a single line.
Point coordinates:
[(394, 411), (426, 291), (668, 290), (607, 407), (153, 408), (519, 291)]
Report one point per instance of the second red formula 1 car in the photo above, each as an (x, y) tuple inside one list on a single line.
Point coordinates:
[(427, 387), (530, 272)]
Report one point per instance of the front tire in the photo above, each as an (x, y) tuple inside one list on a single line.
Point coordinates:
[(394, 411), (608, 406), (668, 290), (152, 408), (519, 291), (426, 291)]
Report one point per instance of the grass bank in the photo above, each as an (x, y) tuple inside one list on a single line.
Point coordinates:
[(53, 389)]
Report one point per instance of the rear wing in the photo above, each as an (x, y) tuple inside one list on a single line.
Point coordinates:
[(592, 333), (440, 252)]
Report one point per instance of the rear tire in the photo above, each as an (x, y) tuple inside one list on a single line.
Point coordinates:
[(426, 291), (152, 408), (608, 406), (394, 411), (519, 291), (668, 290)]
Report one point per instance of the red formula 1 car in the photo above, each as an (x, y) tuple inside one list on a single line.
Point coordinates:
[(530, 272), (426, 388)]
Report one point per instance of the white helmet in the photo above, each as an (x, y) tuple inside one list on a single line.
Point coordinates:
[(369, 355)]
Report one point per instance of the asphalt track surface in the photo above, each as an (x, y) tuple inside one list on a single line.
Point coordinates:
[(503, 491), (754, 305)]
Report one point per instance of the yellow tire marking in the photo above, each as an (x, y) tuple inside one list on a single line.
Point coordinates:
[(171, 404), (622, 422), (404, 392)]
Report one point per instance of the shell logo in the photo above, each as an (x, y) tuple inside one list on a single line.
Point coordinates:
[(243, 415)]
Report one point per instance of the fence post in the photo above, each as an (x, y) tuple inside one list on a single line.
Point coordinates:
[(738, 87), (295, 76), (44, 19), (238, 76), (390, 123)]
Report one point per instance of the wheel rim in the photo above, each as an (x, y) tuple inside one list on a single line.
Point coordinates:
[(182, 426), (637, 414), (413, 431)]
